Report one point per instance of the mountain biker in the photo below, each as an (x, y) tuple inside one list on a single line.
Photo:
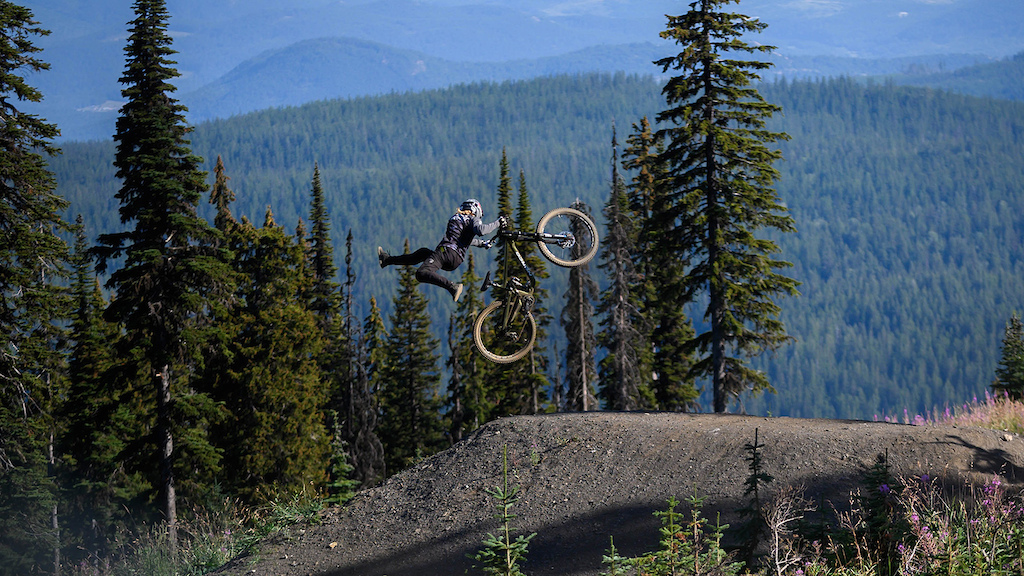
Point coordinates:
[(461, 233)]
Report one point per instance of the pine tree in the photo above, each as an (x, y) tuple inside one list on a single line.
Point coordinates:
[(364, 447), (623, 327), (325, 293), (532, 374), (510, 395), (221, 197), (371, 466), (662, 271), (505, 207), (410, 426), (33, 305), (338, 359), (374, 343), (470, 402), (1010, 373), (171, 270), (577, 319), (278, 439), (520, 384), (720, 175)]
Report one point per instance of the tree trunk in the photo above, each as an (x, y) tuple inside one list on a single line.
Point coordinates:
[(164, 435), (717, 284), (584, 385), (54, 518)]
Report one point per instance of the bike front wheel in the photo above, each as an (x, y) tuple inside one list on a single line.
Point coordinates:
[(504, 344), (568, 237)]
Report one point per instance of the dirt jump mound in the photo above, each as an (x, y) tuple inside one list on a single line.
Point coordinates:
[(586, 477)]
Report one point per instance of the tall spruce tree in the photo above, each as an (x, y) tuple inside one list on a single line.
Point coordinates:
[(470, 402), (365, 450), (172, 272), (221, 197), (325, 294), (509, 397), (720, 178), (411, 426), (522, 383), (372, 367), (662, 270), (33, 304), (577, 319), (337, 360), (533, 374), (624, 329)]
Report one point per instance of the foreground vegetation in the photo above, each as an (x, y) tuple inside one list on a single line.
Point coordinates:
[(899, 526), (896, 526)]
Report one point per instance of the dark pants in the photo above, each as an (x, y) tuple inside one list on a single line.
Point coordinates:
[(430, 261)]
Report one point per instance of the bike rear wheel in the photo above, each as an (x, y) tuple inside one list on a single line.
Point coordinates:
[(504, 345), (578, 231)]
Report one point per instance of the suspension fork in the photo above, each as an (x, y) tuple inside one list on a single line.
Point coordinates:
[(516, 294)]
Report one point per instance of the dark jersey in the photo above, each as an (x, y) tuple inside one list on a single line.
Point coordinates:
[(462, 232)]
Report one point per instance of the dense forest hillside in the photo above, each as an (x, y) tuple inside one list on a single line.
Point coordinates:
[(907, 201), (910, 209)]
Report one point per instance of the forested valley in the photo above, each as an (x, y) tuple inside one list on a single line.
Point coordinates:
[(907, 203)]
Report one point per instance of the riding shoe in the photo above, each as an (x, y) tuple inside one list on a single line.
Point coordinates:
[(382, 256), (457, 292)]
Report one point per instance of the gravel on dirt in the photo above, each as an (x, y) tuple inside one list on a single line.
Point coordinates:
[(588, 477)]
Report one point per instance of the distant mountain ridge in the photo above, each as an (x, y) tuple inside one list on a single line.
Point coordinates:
[(327, 68), (218, 39)]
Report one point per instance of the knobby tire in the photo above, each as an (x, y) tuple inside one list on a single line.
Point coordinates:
[(493, 346), (583, 229)]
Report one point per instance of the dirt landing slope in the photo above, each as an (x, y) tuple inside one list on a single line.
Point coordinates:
[(586, 477)]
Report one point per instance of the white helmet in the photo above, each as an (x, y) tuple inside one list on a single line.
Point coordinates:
[(473, 205)]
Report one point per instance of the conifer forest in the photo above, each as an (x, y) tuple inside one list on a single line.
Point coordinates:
[(194, 313)]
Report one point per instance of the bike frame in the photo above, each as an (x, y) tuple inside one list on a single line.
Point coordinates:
[(516, 293)]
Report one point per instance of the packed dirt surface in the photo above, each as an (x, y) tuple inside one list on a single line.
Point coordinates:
[(586, 477)]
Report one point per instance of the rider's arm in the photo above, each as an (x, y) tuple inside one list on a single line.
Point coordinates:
[(482, 229)]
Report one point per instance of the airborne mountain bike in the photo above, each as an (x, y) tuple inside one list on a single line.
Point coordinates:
[(505, 330)]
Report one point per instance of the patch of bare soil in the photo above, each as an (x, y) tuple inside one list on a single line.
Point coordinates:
[(586, 477)]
